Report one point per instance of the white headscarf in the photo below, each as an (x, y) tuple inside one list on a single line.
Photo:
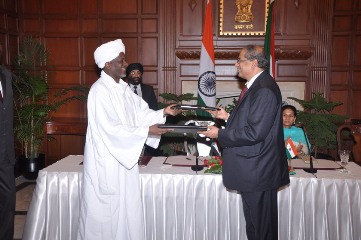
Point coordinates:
[(108, 51)]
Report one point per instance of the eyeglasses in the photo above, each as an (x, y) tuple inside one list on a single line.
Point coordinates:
[(135, 72), (241, 60)]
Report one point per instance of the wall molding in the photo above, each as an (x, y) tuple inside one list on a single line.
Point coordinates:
[(280, 54)]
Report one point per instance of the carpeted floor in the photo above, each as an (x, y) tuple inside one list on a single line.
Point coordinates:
[(24, 191)]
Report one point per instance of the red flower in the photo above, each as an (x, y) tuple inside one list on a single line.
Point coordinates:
[(221, 162), (212, 165), (217, 157), (205, 162)]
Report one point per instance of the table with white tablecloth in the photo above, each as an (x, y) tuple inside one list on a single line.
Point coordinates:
[(182, 204)]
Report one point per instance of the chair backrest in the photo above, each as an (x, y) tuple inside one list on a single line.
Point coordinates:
[(349, 137), (356, 150)]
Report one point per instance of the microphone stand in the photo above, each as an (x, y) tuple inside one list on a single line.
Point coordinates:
[(311, 169), (197, 167)]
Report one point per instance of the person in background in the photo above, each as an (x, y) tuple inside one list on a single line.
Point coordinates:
[(135, 80), (296, 134), (134, 76), (119, 123), (254, 156), (7, 155)]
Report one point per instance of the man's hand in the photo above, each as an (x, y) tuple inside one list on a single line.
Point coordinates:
[(220, 114), (155, 130), (212, 132), (171, 111)]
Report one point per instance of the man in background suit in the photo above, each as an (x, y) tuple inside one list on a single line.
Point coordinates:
[(135, 81), (134, 75), (7, 155), (254, 156)]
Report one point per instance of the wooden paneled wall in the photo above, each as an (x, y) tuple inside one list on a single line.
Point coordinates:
[(317, 42), (345, 57)]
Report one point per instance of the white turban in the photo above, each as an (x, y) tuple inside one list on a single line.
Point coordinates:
[(108, 51)]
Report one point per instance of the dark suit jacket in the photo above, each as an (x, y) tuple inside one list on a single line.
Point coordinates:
[(253, 146), (7, 152), (149, 96)]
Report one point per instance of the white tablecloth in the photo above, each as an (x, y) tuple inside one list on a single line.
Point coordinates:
[(180, 204)]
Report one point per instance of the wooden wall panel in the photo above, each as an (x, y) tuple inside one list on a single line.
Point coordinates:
[(342, 23), (90, 76), (89, 26), (191, 18), (358, 23), (12, 23), (65, 78), (345, 61), (9, 31), (151, 78), (120, 25), (29, 6), (356, 109), (340, 96), (32, 26), (120, 7), (340, 51), (298, 16), (61, 26), (357, 79), (149, 7), (2, 21), (131, 49), (344, 5), (149, 26), (339, 78), (149, 51), (292, 71), (89, 7), (89, 44), (60, 7), (12, 43), (64, 51), (357, 50)]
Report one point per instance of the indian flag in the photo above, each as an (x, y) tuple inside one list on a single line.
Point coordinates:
[(269, 41), (291, 148), (207, 75)]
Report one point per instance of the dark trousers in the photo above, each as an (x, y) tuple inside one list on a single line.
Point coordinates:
[(261, 214), (7, 201)]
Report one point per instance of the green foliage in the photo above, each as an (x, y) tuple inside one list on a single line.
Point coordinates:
[(32, 107), (321, 125)]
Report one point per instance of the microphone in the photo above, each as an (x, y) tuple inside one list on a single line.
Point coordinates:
[(311, 169)]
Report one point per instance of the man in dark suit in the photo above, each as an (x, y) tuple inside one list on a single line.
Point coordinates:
[(134, 75), (7, 155), (254, 157), (135, 81)]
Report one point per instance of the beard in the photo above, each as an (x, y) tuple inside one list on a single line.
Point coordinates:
[(135, 80)]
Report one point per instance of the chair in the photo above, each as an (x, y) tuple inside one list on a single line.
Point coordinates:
[(349, 137), (64, 126)]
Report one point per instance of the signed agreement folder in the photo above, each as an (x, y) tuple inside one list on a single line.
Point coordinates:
[(183, 128)]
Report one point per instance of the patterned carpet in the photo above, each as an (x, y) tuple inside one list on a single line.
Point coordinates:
[(24, 191)]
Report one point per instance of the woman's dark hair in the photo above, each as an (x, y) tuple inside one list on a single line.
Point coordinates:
[(291, 108)]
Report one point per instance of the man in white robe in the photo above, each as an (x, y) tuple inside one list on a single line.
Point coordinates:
[(119, 123)]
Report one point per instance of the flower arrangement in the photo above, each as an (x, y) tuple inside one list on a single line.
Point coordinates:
[(214, 164)]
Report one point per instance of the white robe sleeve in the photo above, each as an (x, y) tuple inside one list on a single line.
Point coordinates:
[(119, 123)]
